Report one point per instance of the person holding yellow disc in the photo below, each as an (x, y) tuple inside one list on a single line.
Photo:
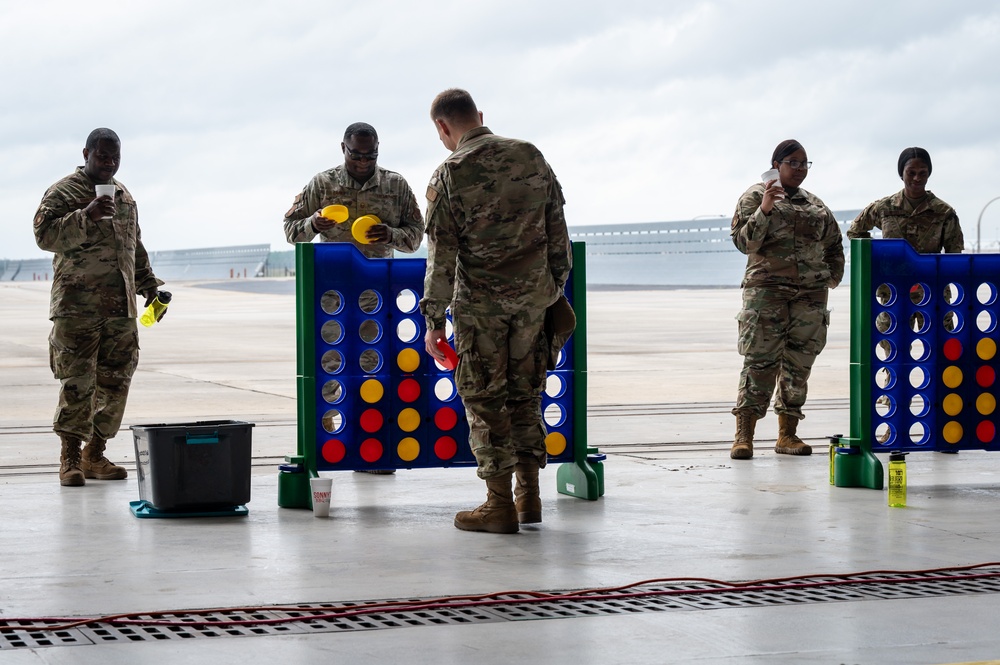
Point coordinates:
[(330, 205)]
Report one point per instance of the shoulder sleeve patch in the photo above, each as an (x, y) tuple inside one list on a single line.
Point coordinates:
[(432, 194), (295, 205)]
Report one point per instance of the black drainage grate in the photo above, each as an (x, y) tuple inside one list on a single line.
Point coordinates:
[(654, 596)]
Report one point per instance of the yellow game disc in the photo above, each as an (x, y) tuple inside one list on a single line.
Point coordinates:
[(361, 226), (336, 212), (952, 376), (555, 443), (986, 404), (408, 449), (408, 420), (952, 432), (408, 360), (372, 391), (986, 348), (952, 404)]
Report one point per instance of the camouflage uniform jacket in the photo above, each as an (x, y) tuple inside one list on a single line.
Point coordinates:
[(799, 244), (931, 227), (385, 195), (98, 265), (496, 235)]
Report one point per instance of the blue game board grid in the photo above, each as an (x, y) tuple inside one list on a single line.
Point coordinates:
[(401, 275), (898, 266)]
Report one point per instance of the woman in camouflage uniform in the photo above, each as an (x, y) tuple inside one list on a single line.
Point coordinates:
[(926, 222), (913, 214), (795, 254)]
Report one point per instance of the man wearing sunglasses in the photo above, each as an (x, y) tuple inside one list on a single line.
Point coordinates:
[(364, 188)]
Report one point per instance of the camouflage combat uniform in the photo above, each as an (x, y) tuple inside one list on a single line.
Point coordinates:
[(99, 266), (930, 228), (794, 255), (385, 195), (498, 252)]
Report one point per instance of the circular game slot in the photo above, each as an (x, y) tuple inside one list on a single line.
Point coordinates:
[(885, 294), (919, 350), (370, 361), (333, 421), (331, 302), (920, 294), (332, 332), (986, 293), (407, 301), (333, 391), (332, 362), (370, 331), (369, 301)]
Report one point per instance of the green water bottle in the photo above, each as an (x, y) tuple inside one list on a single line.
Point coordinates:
[(156, 309), (897, 479)]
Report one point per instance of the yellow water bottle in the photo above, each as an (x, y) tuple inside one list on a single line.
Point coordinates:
[(897, 479), (156, 309), (834, 440)]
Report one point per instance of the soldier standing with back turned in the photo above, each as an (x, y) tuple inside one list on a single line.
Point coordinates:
[(498, 252)]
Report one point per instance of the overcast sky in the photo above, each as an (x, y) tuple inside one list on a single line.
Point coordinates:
[(647, 111)]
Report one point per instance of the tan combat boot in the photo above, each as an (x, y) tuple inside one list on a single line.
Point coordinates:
[(96, 465), (526, 500), (788, 443), (743, 441), (70, 474), (497, 515)]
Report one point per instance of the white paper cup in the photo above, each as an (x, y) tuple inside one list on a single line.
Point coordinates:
[(105, 190), (768, 176), (321, 488)]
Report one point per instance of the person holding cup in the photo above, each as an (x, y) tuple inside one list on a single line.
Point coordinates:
[(364, 188), (99, 268), (795, 254)]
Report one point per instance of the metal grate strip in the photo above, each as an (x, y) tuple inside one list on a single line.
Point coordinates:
[(352, 616)]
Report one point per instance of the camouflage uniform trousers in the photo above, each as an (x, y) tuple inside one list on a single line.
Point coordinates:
[(94, 358), (500, 378), (782, 330)]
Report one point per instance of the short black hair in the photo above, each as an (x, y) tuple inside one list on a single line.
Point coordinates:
[(360, 129), (784, 149), (454, 105), (914, 153), (101, 134)]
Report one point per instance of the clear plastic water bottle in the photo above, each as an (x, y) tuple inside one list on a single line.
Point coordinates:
[(897, 479), (155, 311)]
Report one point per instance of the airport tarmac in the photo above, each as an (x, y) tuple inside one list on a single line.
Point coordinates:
[(662, 376)]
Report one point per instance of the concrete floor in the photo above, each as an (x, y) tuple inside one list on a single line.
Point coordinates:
[(662, 376)]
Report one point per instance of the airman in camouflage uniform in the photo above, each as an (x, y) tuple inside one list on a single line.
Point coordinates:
[(100, 266), (926, 222), (914, 214), (794, 255), (498, 253), (365, 189)]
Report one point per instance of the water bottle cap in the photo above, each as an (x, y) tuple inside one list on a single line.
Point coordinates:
[(164, 296), (897, 456)]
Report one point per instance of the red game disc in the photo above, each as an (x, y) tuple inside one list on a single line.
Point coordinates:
[(450, 357)]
